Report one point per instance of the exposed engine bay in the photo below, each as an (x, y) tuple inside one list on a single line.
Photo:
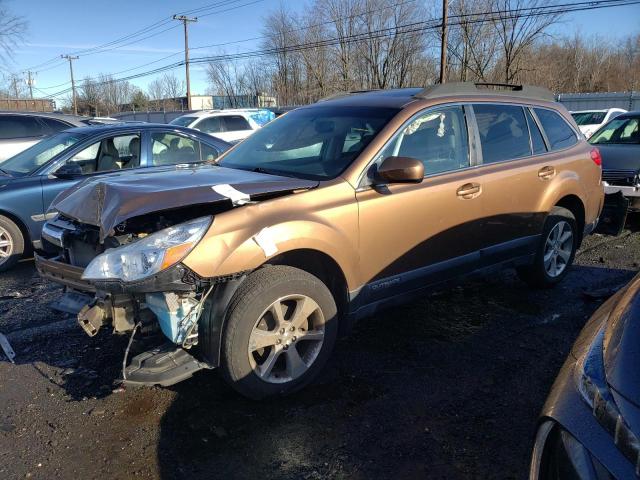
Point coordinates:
[(174, 314)]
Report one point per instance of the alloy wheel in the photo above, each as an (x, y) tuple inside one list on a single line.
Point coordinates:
[(286, 339), (6, 245), (558, 249)]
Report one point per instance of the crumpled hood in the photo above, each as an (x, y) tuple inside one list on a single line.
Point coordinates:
[(107, 200), (622, 344), (620, 157)]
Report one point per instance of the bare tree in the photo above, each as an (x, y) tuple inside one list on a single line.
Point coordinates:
[(173, 86), (12, 30), (519, 24), (227, 79)]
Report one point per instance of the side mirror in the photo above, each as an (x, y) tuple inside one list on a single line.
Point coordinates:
[(68, 171), (400, 170)]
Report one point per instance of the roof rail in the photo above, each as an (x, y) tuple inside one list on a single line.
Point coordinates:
[(344, 94), (471, 88)]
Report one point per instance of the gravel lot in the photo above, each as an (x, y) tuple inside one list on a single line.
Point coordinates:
[(446, 387)]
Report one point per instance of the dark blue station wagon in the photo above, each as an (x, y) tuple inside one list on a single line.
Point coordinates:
[(30, 180)]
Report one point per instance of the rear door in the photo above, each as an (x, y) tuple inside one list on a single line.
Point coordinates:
[(516, 173), (415, 234)]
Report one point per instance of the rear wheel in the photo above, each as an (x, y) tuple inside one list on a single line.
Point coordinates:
[(556, 251), (281, 328), (11, 244)]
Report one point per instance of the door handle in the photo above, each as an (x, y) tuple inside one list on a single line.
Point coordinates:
[(545, 173), (469, 191)]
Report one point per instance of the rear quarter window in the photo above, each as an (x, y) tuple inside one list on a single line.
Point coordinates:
[(559, 133), (54, 125)]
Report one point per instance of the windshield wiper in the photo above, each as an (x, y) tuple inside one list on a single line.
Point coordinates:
[(2, 170), (268, 171)]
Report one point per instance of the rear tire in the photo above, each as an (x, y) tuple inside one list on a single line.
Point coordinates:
[(281, 327), (11, 244), (556, 251)]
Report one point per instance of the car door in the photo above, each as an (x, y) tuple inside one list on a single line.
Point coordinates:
[(106, 154), (415, 234), (516, 171)]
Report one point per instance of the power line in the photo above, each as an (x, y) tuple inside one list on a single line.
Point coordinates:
[(411, 28), (117, 43)]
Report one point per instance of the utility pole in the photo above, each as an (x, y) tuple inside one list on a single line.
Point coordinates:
[(443, 47), (185, 20), (30, 82), (14, 82), (73, 83)]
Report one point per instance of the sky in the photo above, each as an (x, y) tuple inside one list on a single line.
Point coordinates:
[(65, 26)]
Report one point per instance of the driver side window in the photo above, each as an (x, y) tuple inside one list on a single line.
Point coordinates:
[(438, 138), (113, 153)]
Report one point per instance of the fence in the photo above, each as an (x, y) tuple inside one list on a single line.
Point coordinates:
[(600, 101), (27, 104)]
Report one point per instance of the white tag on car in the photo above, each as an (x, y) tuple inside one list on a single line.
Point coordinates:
[(236, 196), (265, 241)]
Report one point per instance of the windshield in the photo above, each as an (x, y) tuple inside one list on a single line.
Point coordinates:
[(183, 121), (589, 118), (314, 143), (37, 155), (618, 131)]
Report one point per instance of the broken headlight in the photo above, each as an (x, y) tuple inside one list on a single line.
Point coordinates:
[(148, 255)]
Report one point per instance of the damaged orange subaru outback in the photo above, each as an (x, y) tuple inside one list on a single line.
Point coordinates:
[(256, 264)]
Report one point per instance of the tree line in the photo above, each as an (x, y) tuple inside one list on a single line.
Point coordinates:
[(346, 45)]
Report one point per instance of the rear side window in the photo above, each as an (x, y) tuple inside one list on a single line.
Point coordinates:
[(559, 133), (18, 126), (503, 132), (210, 125), (235, 123), (537, 142)]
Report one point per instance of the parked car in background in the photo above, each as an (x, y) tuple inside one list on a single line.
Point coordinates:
[(619, 144), (30, 180), (590, 425), (20, 130), (322, 217), (229, 125), (591, 120)]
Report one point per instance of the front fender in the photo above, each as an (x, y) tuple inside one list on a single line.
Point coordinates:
[(241, 239)]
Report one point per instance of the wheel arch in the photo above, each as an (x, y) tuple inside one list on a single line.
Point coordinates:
[(320, 265), (315, 262), (574, 204)]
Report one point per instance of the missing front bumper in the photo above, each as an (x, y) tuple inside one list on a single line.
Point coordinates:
[(63, 273), (165, 365)]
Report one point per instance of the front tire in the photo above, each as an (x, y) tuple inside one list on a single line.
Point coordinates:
[(556, 251), (11, 244), (281, 327)]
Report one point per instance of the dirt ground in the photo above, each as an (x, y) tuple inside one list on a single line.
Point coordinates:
[(446, 387)]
